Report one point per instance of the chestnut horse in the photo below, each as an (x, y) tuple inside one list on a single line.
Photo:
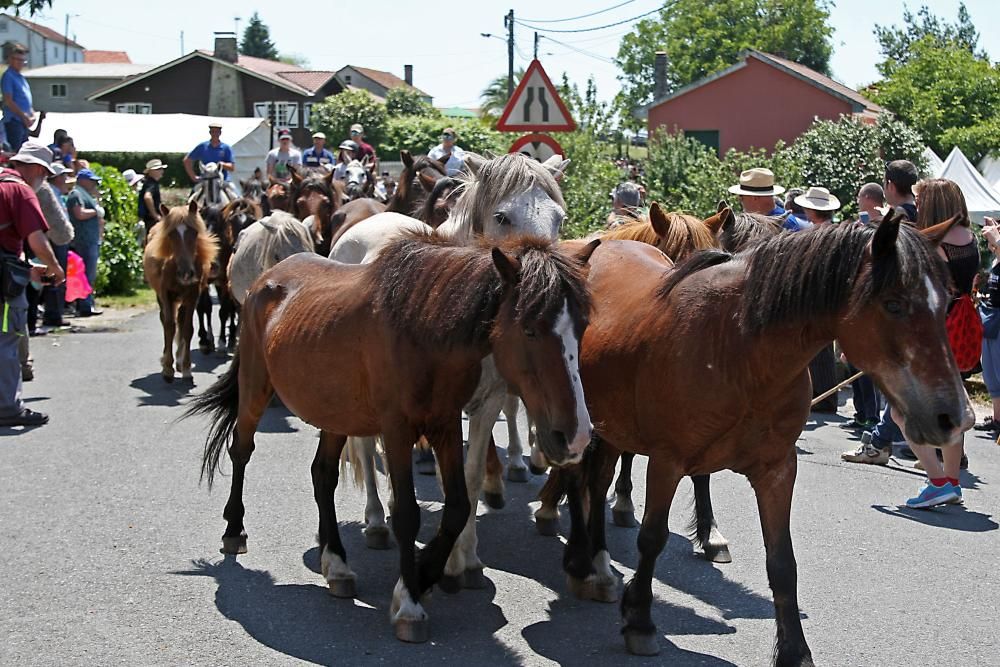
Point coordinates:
[(711, 324), (177, 261), (382, 357)]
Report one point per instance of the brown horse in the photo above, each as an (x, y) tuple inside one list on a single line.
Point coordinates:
[(700, 340), (177, 261), (314, 198), (382, 357)]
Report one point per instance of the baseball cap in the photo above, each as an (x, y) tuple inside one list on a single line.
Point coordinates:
[(628, 194), (284, 134), (318, 135), (449, 131), (215, 123), (358, 127), (58, 169), (87, 173), (32, 152)]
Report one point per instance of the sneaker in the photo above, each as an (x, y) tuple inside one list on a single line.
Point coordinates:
[(856, 424), (867, 452), (958, 496), (25, 417), (27, 373), (988, 424), (932, 496)]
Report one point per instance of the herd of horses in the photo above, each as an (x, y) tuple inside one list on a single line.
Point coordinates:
[(659, 337)]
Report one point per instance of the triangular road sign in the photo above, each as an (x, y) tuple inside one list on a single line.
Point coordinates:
[(535, 106)]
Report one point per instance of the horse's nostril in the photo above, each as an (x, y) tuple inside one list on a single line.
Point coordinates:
[(946, 422), (559, 439)]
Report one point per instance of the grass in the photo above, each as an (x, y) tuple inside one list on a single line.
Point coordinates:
[(143, 297), (977, 390)]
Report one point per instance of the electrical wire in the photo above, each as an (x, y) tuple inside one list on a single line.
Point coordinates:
[(582, 52), (582, 16), (602, 27)]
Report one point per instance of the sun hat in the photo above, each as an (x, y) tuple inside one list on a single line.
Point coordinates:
[(155, 163), (449, 131), (130, 176), (318, 135), (33, 152), (358, 127), (215, 123), (818, 199), (757, 182), (87, 173)]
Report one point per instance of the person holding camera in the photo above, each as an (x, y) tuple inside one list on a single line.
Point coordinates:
[(21, 221)]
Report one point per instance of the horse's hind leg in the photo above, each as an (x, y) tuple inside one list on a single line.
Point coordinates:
[(601, 584), (325, 475), (205, 339), (517, 471), (623, 511), (185, 332), (547, 516), (706, 531), (376, 531), (493, 490), (773, 485), (168, 320)]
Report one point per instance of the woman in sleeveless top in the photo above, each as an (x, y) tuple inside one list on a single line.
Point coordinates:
[(938, 200), (990, 307)]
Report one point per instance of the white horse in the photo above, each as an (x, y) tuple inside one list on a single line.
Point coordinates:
[(505, 196), (262, 245), (358, 179), (212, 189)]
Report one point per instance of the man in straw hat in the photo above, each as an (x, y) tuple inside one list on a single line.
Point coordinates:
[(757, 192), (22, 221), (819, 205), (149, 194)]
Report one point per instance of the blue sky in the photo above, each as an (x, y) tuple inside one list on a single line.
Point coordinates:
[(442, 40)]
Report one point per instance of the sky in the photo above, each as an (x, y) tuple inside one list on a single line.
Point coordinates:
[(452, 61)]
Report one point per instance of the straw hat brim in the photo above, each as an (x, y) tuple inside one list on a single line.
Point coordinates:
[(831, 204), (738, 190)]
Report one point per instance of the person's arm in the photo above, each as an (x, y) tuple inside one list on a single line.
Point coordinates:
[(26, 118), (189, 168), (81, 213), (228, 164), (270, 163), (39, 245), (147, 199)]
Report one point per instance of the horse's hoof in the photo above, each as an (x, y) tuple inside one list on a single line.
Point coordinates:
[(234, 545), (377, 538), (494, 500), (342, 588), (450, 583), (536, 470), (639, 643), (604, 591), (205, 348), (718, 554), (426, 467), (580, 588), (624, 518), (474, 579), (517, 474), (549, 527), (415, 631)]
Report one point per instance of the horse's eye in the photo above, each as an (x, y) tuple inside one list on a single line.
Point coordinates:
[(894, 307), (501, 218), (531, 333)]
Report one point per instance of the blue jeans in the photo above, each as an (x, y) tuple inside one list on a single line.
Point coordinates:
[(866, 398), (14, 317), (886, 431), (89, 254), (17, 133)]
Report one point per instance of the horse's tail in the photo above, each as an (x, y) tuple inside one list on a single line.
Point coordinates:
[(221, 401), (352, 454)]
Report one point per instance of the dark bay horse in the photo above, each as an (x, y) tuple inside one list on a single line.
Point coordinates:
[(355, 350), (226, 223), (177, 262), (701, 341), (316, 196)]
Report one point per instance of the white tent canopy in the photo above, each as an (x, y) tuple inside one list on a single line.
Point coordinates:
[(990, 168), (934, 163), (106, 132), (980, 196)]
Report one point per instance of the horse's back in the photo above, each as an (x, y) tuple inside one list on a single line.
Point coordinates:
[(263, 244), (362, 242)]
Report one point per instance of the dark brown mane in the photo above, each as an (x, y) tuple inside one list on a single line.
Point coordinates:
[(745, 229), (461, 291)]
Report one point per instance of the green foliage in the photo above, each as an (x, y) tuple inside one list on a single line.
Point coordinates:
[(173, 176), (947, 94), (896, 43), (33, 6), (257, 40), (335, 115), (408, 102), (119, 269), (494, 96), (700, 38), (118, 199), (419, 134)]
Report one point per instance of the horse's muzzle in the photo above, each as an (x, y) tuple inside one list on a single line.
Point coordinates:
[(558, 449)]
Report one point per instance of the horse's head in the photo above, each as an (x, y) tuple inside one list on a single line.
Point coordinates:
[(678, 235), (182, 238), (357, 178), (278, 196), (536, 341), (895, 331)]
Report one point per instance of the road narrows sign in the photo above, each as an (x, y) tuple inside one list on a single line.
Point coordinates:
[(535, 106)]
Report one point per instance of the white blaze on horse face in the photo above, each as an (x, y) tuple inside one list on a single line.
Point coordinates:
[(180, 231), (531, 212), (571, 357), (934, 299)]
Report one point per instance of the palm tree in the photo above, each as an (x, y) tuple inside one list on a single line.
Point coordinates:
[(494, 97)]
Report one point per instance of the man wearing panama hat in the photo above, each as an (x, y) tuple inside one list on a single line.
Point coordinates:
[(819, 205), (149, 194), (757, 192)]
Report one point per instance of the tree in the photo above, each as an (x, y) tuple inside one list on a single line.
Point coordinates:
[(34, 6), (700, 38), (494, 97), (335, 115), (408, 102), (296, 59), (257, 40), (897, 43)]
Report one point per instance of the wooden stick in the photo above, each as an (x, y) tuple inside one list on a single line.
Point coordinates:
[(834, 390)]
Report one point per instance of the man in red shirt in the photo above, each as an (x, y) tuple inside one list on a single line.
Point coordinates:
[(364, 149), (21, 221)]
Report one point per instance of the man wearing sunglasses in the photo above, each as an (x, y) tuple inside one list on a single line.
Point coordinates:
[(364, 149), (448, 154)]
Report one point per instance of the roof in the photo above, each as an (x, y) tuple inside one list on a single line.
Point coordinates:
[(86, 70), (387, 80), (47, 33), (310, 80), (457, 112), (979, 194), (92, 56), (859, 102)]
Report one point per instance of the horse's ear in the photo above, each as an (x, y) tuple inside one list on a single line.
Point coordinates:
[(296, 176), (406, 158), (583, 256), (164, 210), (508, 267), (657, 218), (720, 220), (722, 205), (474, 162), (556, 166), (328, 178), (193, 208), (936, 233), (427, 181), (884, 242)]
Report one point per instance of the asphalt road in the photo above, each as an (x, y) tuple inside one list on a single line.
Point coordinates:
[(110, 550)]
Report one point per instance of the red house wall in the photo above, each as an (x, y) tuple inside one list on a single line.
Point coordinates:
[(754, 106)]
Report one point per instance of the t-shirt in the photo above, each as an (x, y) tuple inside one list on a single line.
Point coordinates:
[(992, 291), (19, 207), (364, 150), (280, 160), (152, 187), (15, 87), (312, 158), (88, 232), (456, 159), (909, 210), (205, 152)]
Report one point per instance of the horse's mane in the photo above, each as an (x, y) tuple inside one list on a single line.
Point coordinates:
[(685, 235), (242, 205), (283, 231), (747, 229), (460, 290), (160, 246), (813, 274), (479, 194)]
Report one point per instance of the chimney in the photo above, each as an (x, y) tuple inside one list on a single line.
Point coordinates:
[(225, 46), (660, 75), (408, 74)]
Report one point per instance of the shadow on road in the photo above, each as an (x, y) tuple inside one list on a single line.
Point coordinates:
[(952, 517), (160, 392)]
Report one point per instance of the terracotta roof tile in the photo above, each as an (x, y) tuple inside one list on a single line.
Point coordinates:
[(311, 80), (91, 56), (388, 80)]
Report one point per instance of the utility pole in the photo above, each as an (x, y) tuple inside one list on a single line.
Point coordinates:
[(66, 41), (509, 24), (182, 42), (536, 46)]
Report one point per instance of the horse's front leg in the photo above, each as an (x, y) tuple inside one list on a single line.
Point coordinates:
[(706, 533), (517, 471), (601, 584), (168, 320), (376, 531), (623, 511), (447, 443), (205, 339), (185, 332)]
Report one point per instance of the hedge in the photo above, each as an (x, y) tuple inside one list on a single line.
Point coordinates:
[(173, 177)]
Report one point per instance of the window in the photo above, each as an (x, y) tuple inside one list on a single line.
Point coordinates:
[(76, 56), (3, 26), (282, 114), (306, 113), (134, 107), (55, 52), (58, 90), (708, 137), (347, 79)]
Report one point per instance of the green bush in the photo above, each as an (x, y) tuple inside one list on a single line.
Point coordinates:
[(419, 134), (408, 102), (173, 177), (590, 178), (119, 269), (683, 174), (335, 115)]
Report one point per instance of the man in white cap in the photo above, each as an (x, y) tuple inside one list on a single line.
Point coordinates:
[(317, 155), (757, 192), (819, 205), (22, 221)]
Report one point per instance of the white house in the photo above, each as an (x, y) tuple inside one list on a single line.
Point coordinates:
[(65, 87), (45, 45)]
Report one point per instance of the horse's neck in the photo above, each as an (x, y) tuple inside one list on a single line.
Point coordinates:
[(457, 227)]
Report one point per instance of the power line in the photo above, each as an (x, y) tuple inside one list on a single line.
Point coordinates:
[(582, 16), (582, 52), (602, 27)]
